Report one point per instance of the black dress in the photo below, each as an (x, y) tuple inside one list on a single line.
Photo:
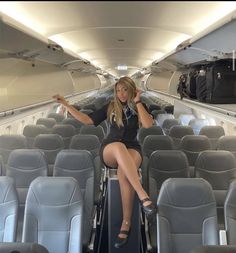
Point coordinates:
[(126, 134)]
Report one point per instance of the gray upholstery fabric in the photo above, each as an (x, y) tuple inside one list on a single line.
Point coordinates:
[(79, 165), (164, 164), (197, 124), (91, 143), (72, 121), (47, 122), (24, 165), (213, 133), (154, 113), (92, 130), (186, 215), (8, 210), (219, 169), (227, 143), (53, 214), (31, 131), (58, 117), (162, 117), (192, 145), (157, 142), (51, 145), (178, 132), (168, 123), (65, 131), (1, 165), (143, 132), (230, 214), (215, 249), (19, 247), (9, 143)]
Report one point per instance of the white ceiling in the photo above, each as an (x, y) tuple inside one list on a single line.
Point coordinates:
[(93, 29)]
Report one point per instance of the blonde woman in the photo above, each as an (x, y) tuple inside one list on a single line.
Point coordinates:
[(121, 149)]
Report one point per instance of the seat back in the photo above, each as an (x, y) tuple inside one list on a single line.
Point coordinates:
[(8, 143), (168, 123), (184, 119), (230, 214), (47, 122), (178, 132), (186, 215), (75, 123), (192, 145), (65, 131), (219, 169), (58, 117), (213, 133), (79, 165), (31, 131), (93, 130), (54, 214), (8, 210), (143, 132), (51, 145), (215, 249), (20, 247), (162, 117), (227, 143)]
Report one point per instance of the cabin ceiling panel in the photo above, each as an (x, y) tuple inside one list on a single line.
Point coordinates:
[(87, 27)]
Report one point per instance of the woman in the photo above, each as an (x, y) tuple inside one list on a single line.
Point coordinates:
[(121, 149)]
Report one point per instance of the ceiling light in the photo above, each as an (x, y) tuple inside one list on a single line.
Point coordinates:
[(122, 67)]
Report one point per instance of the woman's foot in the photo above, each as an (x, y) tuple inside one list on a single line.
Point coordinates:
[(123, 235), (149, 208)]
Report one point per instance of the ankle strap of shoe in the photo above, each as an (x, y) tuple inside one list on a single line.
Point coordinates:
[(144, 200)]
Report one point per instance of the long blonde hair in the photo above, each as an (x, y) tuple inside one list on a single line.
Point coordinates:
[(116, 107)]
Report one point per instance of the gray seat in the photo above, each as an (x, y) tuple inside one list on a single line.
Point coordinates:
[(230, 214), (197, 124), (152, 143), (79, 165), (31, 131), (24, 165), (164, 164), (93, 130), (92, 144), (54, 214), (47, 122), (186, 215), (58, 117), (192, 145), (162, 117), (72, 121), (51, 145), (215, 249), (8, 210), (178, 132), (1, 166), (227, 143), (219, 169), (168, 123), (143, 132), (20, 247), (7, 144), (65, 131), (213, 133), (184, 119)]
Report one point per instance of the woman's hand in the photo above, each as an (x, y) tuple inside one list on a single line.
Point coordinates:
[(60, 99), (137, 97)]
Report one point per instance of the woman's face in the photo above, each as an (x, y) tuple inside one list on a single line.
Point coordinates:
[(122, 92)]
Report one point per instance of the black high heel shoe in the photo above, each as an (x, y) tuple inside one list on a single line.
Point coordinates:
[(149, 210), (120, 242)]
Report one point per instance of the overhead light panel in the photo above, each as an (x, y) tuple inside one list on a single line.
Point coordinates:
[(122, 67)]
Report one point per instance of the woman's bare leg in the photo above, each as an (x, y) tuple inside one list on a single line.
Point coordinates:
[(127, 193), (117, 155)]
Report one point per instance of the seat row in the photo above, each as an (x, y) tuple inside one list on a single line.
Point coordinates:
[(53, 216), (187, 216)]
